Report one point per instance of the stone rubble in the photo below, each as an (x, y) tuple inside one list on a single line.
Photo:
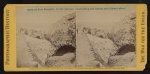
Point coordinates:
[(93, 47)]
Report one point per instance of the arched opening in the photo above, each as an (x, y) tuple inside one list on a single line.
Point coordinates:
[(64, 49), (125, 49)]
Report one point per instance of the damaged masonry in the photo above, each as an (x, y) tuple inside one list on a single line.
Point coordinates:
[(67, 43)]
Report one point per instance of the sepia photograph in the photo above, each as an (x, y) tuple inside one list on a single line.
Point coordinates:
[(75, 37)]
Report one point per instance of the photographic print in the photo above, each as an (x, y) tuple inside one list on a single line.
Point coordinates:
[(75, 37)]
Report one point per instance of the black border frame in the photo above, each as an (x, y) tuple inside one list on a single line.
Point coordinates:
[(4, 2)]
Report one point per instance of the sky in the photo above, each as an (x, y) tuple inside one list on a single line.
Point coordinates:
[(93, 18)]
